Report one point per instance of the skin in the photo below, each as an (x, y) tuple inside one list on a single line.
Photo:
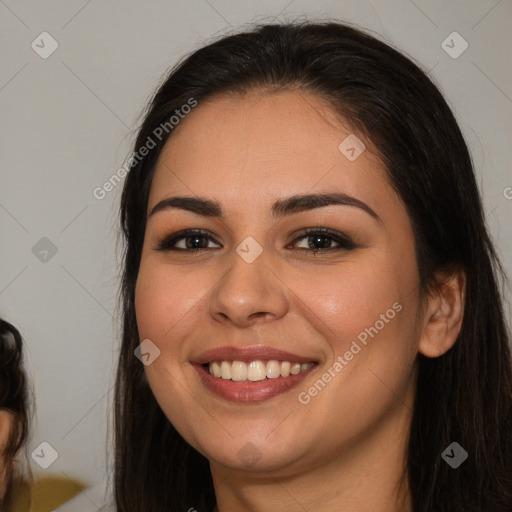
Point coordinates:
[(345, 449), (6, 424)]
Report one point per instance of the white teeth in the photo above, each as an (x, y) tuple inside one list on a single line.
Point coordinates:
[(295, 368), (215, 369), (225, 370), (273, 369), (238, 371), (305, 366), (255, 371), (285, 368)]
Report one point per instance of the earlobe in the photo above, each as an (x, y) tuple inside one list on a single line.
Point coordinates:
[(445, 311)]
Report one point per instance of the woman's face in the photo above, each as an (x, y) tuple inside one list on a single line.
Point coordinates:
[(257, 293)]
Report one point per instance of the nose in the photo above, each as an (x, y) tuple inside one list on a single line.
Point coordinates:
[(249, 293)]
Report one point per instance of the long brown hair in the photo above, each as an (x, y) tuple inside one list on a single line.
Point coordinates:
[(463, 396)]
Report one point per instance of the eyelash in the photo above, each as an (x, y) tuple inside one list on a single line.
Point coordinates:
[(344, 241)]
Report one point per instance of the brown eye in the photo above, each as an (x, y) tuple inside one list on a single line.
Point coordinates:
[(195, 240), (317, 240), (321, 240)]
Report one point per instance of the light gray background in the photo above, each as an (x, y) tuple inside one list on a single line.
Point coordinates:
[(67, 125)]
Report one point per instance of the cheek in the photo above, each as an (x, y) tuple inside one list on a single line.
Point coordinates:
[(366, 311), (6, 424), (367, 315), (164, 299), (164, 302), (348, 298)]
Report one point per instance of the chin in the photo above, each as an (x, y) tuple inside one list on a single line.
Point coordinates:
[(251, 453)]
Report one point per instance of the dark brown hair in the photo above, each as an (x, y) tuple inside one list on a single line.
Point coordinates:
[(464, 395), (14, 399)]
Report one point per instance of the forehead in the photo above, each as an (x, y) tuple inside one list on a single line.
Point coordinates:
[(263, 145)]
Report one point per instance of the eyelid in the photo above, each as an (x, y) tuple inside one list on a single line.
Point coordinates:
[(163, 244), (345, 242)]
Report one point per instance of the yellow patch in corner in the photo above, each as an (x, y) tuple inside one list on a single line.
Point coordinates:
[(47, 493)]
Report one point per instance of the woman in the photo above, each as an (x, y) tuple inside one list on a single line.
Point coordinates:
[(311, 288), (14, 409), (19, 490)]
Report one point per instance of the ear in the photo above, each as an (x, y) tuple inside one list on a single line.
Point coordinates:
[(444, 313)]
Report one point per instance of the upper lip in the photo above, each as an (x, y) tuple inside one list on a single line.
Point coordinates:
[(248, 354)]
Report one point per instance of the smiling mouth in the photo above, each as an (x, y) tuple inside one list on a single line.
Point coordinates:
[(255, 371)]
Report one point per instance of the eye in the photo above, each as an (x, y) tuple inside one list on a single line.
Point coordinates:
[(316, 240), (321, 239), (194, 240)]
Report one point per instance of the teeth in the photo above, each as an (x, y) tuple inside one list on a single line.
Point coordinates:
[(273, 369), (215, 369), (225, 370), (295, 368), (255, 371), (238, 371)]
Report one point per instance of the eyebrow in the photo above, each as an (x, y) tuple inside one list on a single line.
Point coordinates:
[(281, 208)]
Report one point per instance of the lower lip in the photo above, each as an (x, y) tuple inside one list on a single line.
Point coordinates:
[(250, 391)]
